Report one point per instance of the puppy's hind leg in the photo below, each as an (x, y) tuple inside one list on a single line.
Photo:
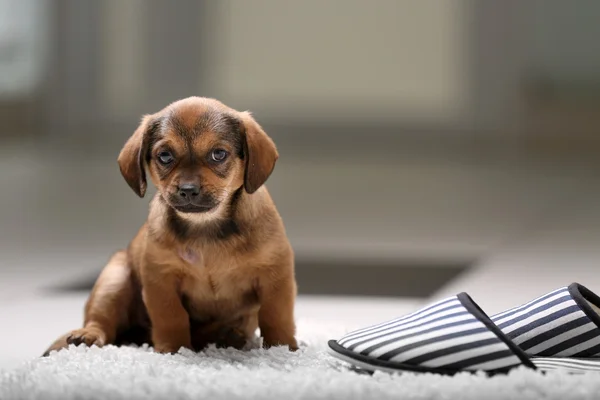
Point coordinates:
[(107, 309), (59, 344)]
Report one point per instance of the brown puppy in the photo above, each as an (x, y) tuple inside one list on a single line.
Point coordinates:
[(212, 263)]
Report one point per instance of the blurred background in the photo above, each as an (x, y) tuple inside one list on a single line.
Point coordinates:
[(427, 147)]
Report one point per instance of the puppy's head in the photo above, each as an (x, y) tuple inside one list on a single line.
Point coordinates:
[(199, 152)]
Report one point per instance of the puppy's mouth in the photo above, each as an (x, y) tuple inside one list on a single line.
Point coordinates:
[(198, 204), (192, 208)]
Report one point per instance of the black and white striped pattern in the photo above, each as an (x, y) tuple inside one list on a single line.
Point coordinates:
[(571, 365), (444, 336), (542, 364), (553, 325)]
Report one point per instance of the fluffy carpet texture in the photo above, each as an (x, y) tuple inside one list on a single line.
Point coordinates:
[(310, 373)]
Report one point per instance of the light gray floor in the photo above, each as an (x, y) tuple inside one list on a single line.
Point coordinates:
[(530, 226)]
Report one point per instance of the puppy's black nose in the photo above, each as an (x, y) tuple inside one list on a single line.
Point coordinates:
[(187, 191)]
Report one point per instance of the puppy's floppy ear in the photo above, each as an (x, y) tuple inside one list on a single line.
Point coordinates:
[(132, 159), (260, 153)]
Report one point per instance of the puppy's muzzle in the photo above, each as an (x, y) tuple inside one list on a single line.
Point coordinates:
[(189, 198)]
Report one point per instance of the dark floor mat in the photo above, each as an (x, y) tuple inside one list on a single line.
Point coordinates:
[(350, 278), (375, 278)]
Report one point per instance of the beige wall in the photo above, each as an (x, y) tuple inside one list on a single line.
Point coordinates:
[(123, 53), (317, 59), (454, 66), (346, 58)]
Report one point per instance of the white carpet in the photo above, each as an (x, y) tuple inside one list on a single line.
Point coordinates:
[(310, 373)]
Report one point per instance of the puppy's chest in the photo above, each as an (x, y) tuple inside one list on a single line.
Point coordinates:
[(213, 288)]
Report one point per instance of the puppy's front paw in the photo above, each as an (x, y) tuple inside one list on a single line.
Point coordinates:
[(166, 348), (290, 342), (293, 345), (88, 336)]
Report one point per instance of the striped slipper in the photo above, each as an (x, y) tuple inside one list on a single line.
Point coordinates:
[(453, 335), (450, 336), (562, 323)]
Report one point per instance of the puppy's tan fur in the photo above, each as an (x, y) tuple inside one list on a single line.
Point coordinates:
[(190, 279)]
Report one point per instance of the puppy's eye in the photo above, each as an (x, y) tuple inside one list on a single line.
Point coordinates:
[(165, 157), (219, 155)]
